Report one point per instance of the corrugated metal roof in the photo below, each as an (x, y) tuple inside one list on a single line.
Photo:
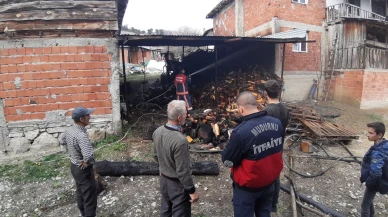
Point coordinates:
[(191, 40), (290, 34), (218, 8)]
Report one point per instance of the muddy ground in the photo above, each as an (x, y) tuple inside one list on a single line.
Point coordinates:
[(339, 188)]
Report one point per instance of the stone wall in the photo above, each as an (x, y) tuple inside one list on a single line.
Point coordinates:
[(39, 136)]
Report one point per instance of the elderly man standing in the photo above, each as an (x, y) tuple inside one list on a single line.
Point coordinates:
[(81, 156), (172, 153), (254, 155)]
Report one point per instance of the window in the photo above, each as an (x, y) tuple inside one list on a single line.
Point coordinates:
[(300, 1), (301, 46)]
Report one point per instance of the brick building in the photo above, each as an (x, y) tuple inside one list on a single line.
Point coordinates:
[(357, 34), (263, 18), (55, 57), (136, 54), (359, 26)]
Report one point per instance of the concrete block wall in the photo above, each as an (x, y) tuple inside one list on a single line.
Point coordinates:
[(43, 80)]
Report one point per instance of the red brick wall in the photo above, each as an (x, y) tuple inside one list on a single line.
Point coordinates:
[(302, 61), (54, 78), (224, 23), (361, 88), (259, 12), (375, 86), (348, 87)]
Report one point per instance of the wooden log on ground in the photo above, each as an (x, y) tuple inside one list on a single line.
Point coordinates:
[(137, 168)]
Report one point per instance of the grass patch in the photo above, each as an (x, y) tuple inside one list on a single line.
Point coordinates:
[(109, 147), (376, 117), (51, 166), (140, 77)]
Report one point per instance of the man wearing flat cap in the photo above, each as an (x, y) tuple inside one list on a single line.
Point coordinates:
[(81, 156)]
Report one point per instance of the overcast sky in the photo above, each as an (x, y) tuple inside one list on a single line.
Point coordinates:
[(169, 14)]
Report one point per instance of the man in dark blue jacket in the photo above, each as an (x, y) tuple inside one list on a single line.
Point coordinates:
[(374, 171), (182, 89), (254, 154)]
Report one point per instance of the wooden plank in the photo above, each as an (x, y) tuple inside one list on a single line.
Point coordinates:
[(61, 14), (327, 129), (59, 25), (38, 5), (7, 2), (61, 34)]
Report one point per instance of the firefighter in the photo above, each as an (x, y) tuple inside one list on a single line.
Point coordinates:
[(182, 88)]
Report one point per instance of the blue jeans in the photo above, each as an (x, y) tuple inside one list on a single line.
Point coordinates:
[(367, 209), (247, 204)]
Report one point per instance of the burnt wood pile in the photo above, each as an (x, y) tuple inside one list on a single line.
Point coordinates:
[(216, 103), (222, 94)]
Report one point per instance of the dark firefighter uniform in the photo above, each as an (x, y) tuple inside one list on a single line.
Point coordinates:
[(255, 148), (182, 89)]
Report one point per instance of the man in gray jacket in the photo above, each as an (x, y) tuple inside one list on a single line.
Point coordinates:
[(172, 153)]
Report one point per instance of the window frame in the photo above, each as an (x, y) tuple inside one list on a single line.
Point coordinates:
[(298, 2), (298, 45)]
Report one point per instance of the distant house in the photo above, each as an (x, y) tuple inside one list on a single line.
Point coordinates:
[(209, 32), (141, 54)]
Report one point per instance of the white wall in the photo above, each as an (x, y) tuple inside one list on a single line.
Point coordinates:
[(297, 87)]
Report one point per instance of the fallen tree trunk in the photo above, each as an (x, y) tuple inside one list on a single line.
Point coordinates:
[(321, 207), (136, 168)]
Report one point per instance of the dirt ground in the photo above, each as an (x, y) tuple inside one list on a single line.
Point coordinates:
[(339, 188)]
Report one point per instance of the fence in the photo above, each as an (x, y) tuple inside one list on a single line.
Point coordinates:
[(358, 58), (335, 12)]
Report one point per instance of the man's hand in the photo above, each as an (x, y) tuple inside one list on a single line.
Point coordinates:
[(194, 197), (83, 165)]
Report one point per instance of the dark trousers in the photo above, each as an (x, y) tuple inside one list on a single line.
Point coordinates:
[(187, 99), (367, 209), (86, 190), (247, 203), (276, 192), (175, 199)]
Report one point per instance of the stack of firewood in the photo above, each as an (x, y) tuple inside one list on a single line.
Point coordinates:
[(223, 93)]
